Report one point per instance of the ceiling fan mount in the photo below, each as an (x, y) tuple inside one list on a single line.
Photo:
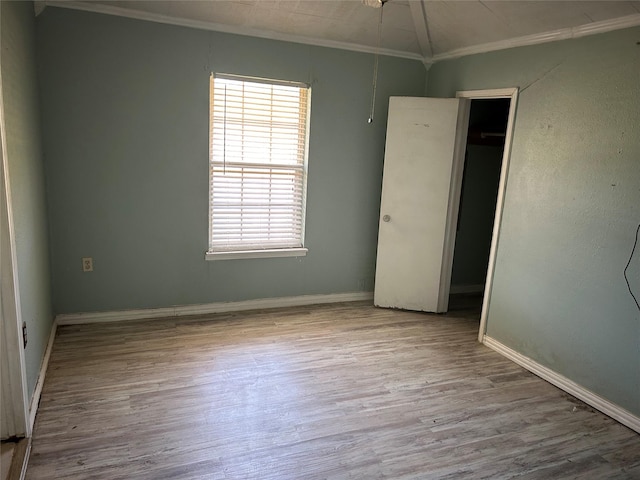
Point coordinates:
[(374, 3)]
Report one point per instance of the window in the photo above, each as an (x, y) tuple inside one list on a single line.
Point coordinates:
[(258, 167)]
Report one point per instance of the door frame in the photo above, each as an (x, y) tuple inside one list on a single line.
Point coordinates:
[(13, 369), (453, 208), (512, 94), (426, 137)]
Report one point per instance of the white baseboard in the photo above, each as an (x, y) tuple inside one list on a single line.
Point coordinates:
[(37, 391), (25, 461), (208, 308), (596, 401), (455, 289)]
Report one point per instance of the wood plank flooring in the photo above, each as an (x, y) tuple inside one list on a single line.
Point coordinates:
[(12, 461), (343, 391), (6, 456)]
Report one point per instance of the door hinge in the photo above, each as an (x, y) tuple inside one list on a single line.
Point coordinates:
[(24, 334)]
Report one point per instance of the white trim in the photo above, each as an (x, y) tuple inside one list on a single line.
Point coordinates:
[(544, 37), (491, 93), (234, 29), (455, 289), (453, 204), (502, 188), (37, 391), (593, 28), (25, 461), (254, 225), (587, 396), (277, 252), (210, 308), (10, 290)]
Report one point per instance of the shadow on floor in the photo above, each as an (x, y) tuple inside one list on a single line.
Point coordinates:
[(465, 305)]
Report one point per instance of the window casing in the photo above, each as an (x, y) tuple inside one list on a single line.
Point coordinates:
[(259, 133)]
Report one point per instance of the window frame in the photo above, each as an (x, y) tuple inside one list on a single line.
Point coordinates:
[(267, 251)]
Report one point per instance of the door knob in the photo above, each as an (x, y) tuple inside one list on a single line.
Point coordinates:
[(386, 218)]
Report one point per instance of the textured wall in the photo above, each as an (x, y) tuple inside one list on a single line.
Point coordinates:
[(26, 177), (125, 107), (571, 208)]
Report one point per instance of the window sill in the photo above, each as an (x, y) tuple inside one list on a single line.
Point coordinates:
[(238, 254)]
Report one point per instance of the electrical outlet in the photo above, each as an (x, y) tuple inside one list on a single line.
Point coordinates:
[(87, 264)]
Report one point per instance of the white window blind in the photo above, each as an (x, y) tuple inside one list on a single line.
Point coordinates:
[(258, 153)]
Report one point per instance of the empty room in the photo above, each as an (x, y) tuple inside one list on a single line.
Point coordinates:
[(320, 239)]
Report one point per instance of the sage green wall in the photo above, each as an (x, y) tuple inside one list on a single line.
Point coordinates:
[(125, 108), (26, 177), (571, 208)]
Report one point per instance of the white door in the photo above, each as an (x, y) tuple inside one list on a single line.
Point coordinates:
[(424, 158), (14, 407)]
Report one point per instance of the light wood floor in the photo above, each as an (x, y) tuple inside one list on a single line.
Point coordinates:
[(12, 457), (6, 455), (327, 392)]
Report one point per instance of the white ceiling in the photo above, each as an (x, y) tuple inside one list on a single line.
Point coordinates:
[(426, 29)]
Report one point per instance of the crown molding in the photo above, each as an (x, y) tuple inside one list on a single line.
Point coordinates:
[(545, 37), (218, 27), (594, 28)]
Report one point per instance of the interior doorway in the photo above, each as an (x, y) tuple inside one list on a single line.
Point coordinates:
[(488, 145), (478, 196), (424, 166)]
